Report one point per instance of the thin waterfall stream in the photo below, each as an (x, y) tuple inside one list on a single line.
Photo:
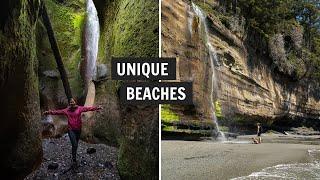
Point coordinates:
[(213, 61), (91, 44)]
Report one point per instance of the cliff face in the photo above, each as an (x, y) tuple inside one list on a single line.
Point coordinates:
[(248, 89), (20, 137), (128, 29)]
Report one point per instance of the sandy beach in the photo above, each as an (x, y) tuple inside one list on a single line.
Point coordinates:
[(216, 160)]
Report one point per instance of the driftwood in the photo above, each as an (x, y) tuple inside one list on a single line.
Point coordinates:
[(56, 51)]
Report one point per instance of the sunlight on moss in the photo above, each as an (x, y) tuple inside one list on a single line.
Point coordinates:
[(218, 111), (68, 21), (167, 115), (169, 128)]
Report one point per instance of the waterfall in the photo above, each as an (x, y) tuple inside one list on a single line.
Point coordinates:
[(213, 61), (92, 33), (91, 44), (190, 21)]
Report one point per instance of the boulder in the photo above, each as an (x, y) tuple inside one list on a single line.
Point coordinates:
[(52, 74), (101, 72)]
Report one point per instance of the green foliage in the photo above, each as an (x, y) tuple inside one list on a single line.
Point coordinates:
[(167, 115), (265, 15), (207, 7), (280, 16)]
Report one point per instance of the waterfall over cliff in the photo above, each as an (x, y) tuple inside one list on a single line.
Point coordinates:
[(91, 38), (91, 43), (213, 60)]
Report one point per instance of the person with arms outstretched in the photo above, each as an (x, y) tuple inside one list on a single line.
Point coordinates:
[(73, 113)]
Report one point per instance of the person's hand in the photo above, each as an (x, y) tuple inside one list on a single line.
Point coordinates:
[(46, 113)]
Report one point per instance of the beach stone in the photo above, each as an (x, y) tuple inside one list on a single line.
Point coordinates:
[(80, 175), (51, 74), (108, 165), (91, 150), (53, 166)]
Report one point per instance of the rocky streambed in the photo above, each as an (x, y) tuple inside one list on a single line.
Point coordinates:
[(95, 161)]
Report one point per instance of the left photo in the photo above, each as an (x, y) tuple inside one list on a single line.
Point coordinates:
[(61, 113)]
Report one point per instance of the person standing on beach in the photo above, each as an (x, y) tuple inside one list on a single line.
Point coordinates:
[(259, 132), (258, 140), (73, 113)]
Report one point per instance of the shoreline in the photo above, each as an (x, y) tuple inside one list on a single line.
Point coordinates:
[(216, 160)]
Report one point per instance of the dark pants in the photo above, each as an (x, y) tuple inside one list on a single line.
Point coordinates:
[(74, 136)]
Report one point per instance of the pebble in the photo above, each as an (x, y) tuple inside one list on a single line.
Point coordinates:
[(79, 175), (53, 166), (108, 165), (91, 150), (91, 166)]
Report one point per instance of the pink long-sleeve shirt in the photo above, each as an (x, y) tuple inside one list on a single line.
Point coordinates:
[(74, 117)]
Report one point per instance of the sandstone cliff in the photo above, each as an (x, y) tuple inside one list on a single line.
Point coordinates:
[(248, 88)]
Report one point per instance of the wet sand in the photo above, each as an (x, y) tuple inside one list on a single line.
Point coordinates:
[(214, 160)]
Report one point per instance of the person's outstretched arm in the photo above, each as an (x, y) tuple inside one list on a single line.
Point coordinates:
[(92, 108), (55, 112)]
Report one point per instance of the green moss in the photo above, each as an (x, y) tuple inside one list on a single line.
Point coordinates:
[(205, 6), (169, 128), (139, 36), (19, 83), (132, 163), (224, 128), (130, 28), (78, 24), (67, 20), (218, 111), (167, 115)]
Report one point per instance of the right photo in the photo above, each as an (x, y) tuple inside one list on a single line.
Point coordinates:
[(255, 69)]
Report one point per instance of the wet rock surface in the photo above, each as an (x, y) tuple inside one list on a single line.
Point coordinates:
[(303, 131), (52, 74), (57, 163), (101, 72)]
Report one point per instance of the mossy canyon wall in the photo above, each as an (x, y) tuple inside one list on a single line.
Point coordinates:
[(31, 83), (128, 29), (20, 138)]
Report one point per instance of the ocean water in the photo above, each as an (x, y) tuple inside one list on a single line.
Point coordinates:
[(290, 171)]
